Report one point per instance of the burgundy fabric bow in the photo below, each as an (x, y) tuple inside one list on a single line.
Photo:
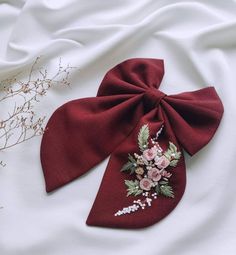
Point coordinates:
[(130, 116)]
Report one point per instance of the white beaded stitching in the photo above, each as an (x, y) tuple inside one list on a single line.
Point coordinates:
[(138, 204)]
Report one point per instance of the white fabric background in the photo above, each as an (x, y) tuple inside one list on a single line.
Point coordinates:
[(197, 40)]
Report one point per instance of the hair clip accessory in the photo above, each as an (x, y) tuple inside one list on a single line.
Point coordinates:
[(143, 130)]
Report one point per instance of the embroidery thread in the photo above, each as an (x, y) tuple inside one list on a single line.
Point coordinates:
[(150, 169)]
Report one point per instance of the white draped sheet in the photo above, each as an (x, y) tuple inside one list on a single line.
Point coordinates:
[(197, 40)]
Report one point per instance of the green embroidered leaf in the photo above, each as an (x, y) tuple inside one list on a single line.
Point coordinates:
[(157, 189), (177, 155), (172, 153), (143, 137), (132, 184), (174, 162), (168, 154), (138, 192), (163, 182), (166, 190), (127, 166), (172, 147), (132, 159), (130, 165), (133, 188)]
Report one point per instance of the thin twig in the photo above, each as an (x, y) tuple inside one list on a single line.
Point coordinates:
[(22, 124), (2, 164)]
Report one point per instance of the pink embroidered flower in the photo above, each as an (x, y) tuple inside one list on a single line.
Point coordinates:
[(166, 174), (162, 162), (154, 174), (150, 154), (146, 184)]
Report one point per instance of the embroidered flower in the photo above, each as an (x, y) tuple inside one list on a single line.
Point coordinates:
[(166, 174), (146, 184), (140, 161), (154, 174), (150, 154), (162, 162), (151, 180), (139, 171), (157, 158)]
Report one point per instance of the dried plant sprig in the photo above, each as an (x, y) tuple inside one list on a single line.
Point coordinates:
[(2, 164), (21, 123)]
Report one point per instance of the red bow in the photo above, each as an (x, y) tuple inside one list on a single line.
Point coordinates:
[(83, 132)]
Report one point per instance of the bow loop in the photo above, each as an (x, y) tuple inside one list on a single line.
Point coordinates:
[(132, 76), (194, 117)]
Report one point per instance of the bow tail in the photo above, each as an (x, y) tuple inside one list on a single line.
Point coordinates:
[(112, 195), (82, 133)]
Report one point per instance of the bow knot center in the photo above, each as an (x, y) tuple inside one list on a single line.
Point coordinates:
[(152, 97)]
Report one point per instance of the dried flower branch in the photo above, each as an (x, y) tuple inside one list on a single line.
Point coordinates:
[(21, 123), (2, 164)]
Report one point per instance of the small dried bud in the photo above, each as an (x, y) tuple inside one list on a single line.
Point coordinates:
[(2, 124), (25, 88)]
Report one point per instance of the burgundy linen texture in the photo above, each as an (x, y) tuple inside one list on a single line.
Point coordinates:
[(83, 132)]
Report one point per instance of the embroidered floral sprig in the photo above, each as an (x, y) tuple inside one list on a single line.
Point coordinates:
[(151, 169)]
